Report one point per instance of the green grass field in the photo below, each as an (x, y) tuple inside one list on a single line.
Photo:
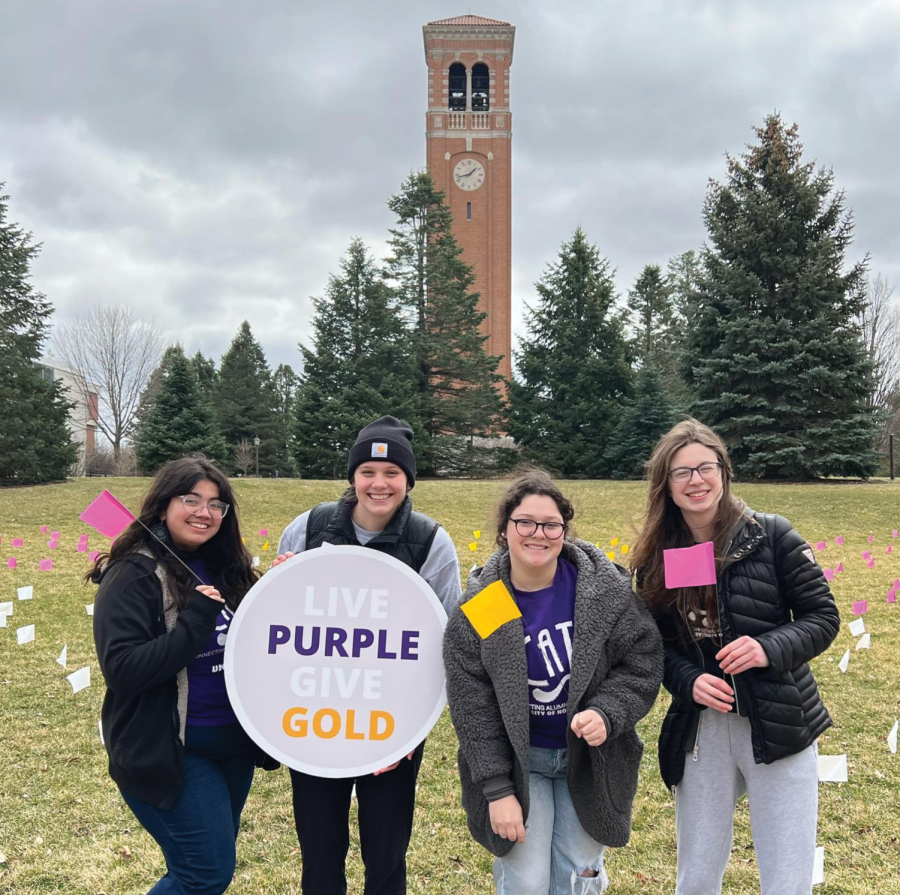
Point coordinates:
[(64, 827)]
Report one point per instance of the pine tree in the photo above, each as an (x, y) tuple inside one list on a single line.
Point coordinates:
[(35, 444), (178, 422), (457, 387), (773, 354), (359, 367), (246, 402), (647, 416), (573, 366), (284, 384)]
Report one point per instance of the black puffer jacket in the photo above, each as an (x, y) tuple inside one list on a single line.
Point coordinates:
[(770, 588)]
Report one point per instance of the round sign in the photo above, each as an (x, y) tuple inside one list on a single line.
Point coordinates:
[(333, 661)]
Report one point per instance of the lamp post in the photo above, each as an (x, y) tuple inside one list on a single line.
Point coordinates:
[(256, 444)]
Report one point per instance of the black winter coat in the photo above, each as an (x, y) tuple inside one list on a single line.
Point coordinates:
[(770, 588)]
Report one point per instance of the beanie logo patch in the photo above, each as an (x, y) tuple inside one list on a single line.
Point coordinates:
[(379, 449)]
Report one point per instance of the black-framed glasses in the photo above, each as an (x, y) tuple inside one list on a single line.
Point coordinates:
[(525, 528), (217, 508), (706, 470)]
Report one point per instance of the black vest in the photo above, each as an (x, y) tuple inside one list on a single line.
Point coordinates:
[(408, 536)]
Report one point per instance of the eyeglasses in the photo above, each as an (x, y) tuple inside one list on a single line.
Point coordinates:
[(706, 470), (525, 528), (217, 508)]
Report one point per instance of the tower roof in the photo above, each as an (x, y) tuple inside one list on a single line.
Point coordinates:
[(468, 20)]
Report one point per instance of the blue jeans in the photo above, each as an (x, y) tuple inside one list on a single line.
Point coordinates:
[(557, 850), (197, 833)]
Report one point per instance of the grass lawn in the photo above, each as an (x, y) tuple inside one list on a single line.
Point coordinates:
[(64, 827)]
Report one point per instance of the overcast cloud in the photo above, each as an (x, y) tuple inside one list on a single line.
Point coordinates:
[(209, 162)]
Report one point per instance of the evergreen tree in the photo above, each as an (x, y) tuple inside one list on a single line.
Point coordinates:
[(359, 367), (284, 383), (35, 445), (646, 417), (178, 422), (207, 378), (150, 393), (773, 354), (457, 384), (246, 402), (573, 366)]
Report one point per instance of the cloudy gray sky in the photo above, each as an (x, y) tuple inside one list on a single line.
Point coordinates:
[(207, 162)]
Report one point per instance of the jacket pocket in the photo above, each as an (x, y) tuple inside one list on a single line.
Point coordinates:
[(620, 760)]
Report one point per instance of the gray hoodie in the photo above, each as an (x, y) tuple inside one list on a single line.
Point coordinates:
[(617, 667)]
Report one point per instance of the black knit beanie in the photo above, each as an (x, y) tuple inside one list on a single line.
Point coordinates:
[(387, 439)]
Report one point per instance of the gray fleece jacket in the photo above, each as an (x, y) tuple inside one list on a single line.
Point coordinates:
[(617, 667)]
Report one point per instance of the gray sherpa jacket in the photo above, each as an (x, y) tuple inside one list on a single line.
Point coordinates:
[(617, 667)]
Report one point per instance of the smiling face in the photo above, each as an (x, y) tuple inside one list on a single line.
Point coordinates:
[(536, 553), (191, 528), (380, 490), (698, 498)]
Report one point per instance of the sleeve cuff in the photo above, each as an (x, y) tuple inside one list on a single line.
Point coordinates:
[(498, 787), (605, 718)]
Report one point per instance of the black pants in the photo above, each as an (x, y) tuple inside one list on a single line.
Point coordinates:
[(322, 811)]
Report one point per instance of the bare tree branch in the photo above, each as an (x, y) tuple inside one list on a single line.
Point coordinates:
[(880, 325), (244, 456), (112, 353)]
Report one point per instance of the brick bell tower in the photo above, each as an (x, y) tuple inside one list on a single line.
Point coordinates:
[(468, 129)]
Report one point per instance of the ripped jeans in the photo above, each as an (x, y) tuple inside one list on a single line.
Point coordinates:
[(556, 851)]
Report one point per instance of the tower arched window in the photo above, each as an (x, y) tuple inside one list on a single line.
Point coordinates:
[(457, 87), (480, 87)]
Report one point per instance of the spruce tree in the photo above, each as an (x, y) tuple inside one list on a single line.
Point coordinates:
[(358, 368), (284, 384), (35, 444), (246, 402), (573, 367), (773, 353), (457, 381), (178, 422), (646, 417)]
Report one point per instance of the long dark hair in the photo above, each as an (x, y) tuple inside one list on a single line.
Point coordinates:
[(224, 555), (664, 526), (531, 480)]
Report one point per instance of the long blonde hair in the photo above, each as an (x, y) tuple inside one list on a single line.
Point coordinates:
[(664, 526)]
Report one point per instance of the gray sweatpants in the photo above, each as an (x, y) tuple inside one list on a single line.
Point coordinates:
[(783, 798)]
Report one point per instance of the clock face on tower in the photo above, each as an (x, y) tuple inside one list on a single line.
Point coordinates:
[(468, 174)]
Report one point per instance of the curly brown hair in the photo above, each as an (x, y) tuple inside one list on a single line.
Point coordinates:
[(532, 480)]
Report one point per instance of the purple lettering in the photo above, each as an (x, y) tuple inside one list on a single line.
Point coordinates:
[(362, 639), (313, 647), (278, 634), (409, 644), (335, 638), (382, 647)]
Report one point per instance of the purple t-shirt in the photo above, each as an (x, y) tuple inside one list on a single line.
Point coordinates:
[(208, 704), (548, 617)]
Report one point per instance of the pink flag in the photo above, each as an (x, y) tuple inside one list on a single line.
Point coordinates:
[(690, 566), (871, 539), (890, 548), (82, 539), (53, 543), (839, 540), (860, 607), (92, 556), (897, 584), (81, 547), (870, 564), (263, 532), (867, 554), (17, 542), (46, 565), (892, 596), (43, 529), (894, 533), (54, 535), (820, 545), (829, 574), (11, 563), (840, 567), (107, 515)]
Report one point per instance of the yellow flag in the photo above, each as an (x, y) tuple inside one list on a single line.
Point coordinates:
[(265, 546), (491, 608), (611, 557), (473, 546), (625, 549), (243, 540), (477, 533), (613, 542)]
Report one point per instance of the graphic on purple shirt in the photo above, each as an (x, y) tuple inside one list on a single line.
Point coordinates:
[(208, 704), (548, 618)]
